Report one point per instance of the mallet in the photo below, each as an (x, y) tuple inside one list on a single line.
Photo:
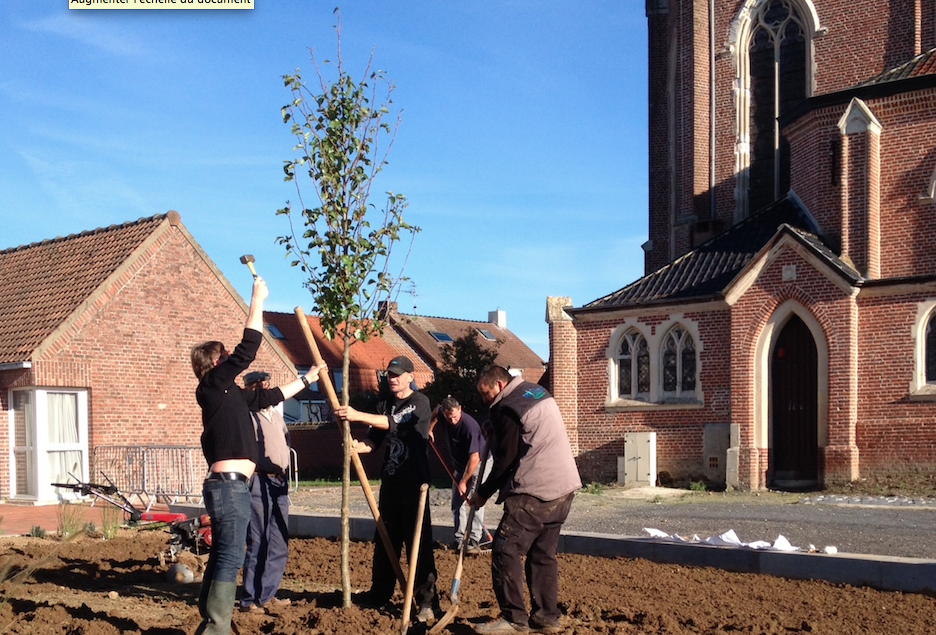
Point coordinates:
[(249, 260)]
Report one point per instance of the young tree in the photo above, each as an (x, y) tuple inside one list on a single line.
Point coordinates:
[(346, 243), (462, 360)]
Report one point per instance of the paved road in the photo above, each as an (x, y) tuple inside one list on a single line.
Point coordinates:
[(875, 526), (879, 529)]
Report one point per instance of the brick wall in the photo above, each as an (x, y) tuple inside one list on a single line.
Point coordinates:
[(130, 348)]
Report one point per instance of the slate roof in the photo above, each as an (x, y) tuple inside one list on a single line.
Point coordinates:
[(922, 64), (706, 271), (366, 357), (512, 353), (45, 282)]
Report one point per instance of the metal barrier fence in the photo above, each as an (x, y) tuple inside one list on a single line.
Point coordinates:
[(166, 473)]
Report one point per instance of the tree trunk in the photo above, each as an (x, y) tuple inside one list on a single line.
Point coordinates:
[(345, 481)]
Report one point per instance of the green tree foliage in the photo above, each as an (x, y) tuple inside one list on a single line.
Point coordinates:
[(462, 361), (341, 241)]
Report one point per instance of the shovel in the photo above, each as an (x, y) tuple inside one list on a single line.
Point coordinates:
[(446, 619), (456, 581)]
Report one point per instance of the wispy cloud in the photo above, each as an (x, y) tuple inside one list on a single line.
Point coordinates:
[(81, 188), (94, 33)]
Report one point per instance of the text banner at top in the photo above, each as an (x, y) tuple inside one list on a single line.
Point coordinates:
[(160, 4)]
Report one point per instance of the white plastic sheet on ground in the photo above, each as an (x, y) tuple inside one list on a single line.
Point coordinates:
[(727, 539)]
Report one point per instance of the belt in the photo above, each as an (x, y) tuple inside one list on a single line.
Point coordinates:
[(226, 476)]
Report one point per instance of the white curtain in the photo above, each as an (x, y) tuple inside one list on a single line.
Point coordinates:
[(63, 431), (63, 417)]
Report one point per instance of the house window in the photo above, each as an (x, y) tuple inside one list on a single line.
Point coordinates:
[(441, 337), (678, 364), (275, 332), (633, 366)]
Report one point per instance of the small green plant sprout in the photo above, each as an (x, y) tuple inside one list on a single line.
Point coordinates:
[(698, 486), (594, 488), (37, 532), (69, 519), (111, 519)]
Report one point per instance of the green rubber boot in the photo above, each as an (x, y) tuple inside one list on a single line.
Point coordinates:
[(219, 609)]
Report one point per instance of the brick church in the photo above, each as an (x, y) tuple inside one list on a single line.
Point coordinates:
[(784, 332)]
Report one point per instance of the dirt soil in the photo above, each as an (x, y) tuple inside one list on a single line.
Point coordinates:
[(118, 587)]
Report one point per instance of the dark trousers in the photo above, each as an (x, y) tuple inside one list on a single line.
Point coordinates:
[(267, 539), (398, 508), (529, 528)]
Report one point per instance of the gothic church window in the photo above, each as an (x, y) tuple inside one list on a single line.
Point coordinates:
[(678, 364), (931, 349), (777, 69), (633, 366), (775, 62)]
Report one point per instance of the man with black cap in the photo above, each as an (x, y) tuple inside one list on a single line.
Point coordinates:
[(268, 533), (403, 421)]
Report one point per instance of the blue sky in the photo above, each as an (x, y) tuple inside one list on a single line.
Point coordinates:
[(522, 149)]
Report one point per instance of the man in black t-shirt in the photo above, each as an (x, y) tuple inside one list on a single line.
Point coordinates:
[(402, 424)]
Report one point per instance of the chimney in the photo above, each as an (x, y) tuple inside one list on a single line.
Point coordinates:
[(498, 318), (384, 308)]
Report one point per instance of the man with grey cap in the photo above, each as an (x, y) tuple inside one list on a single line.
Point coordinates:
[(402, 420), (268, 532)]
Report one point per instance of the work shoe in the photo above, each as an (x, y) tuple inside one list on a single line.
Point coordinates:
[(500, 626), (277, 603), (472, 548), (544, 626), (367, 601), (253, 609), (425, 614)]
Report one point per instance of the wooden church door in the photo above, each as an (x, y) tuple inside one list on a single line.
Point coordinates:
[(794, 405)]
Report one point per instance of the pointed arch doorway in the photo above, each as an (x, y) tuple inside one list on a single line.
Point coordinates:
[(794, 405)]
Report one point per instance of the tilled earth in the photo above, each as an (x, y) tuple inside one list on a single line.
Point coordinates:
[(118, 587)]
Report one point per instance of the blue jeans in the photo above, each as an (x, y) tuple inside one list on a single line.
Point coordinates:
[(460, 506), (267, 539), (228, 504)]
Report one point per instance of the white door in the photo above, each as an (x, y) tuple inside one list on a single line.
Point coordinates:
[(50, 442)]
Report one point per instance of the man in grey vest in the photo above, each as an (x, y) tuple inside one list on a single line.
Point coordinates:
[(535, 471), (268, 535)]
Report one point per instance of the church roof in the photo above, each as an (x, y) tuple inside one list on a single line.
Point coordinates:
[(922, 64), (706, 271)]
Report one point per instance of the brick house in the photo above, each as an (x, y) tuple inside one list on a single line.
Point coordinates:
[(783, 334), (94, 347), (315, 438), (427, 335)]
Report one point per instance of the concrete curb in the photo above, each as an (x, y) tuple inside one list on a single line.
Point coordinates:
[(909, 575)]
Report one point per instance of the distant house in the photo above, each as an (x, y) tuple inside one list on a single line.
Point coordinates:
[(429, 335), (315, 438), (368, 361), (95, 335)]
